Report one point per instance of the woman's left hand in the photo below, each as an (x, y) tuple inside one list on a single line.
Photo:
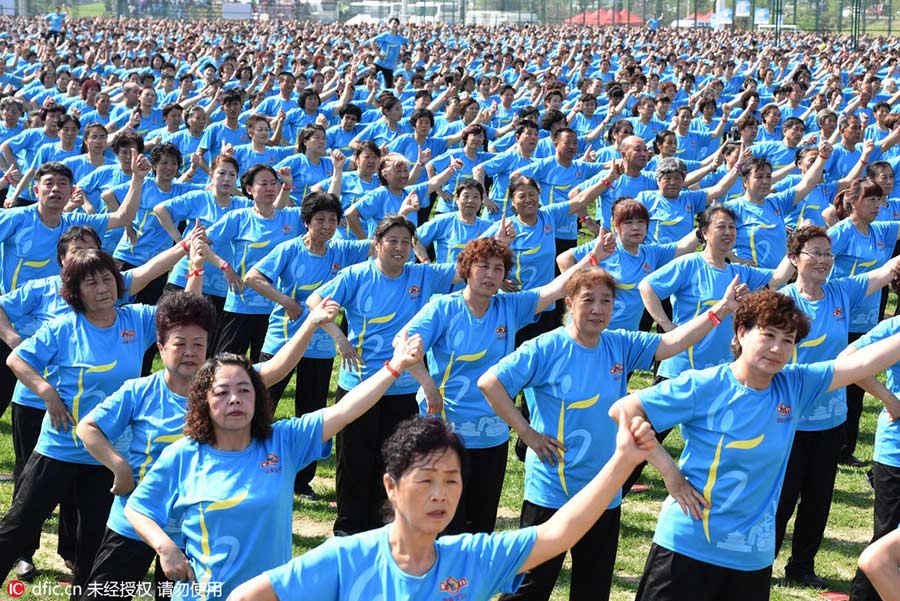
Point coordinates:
[(735, 293), (605, 246), (408, 351), (287, 178), (692, 503)]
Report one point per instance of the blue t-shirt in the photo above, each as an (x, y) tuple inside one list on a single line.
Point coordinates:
[(812, 205), (465, 172), (761, 234), (86, 364), (216, 133), (534, 247), (151, 238), (499, 168), (202, 205), (450, 233), (571, 405), (295, 271), (305, 174), (555, 182), (155, 416), (474, 567), (629, 270), (887, 433), (695, 286), (377, 307), (622, 186), (29, 246), (855, 254), (390, 44), (93, 185), (737, 441), (829, 323), (219, 497), (242, 237), (381, 201), (247, 157), (460, 349), (671, 220)]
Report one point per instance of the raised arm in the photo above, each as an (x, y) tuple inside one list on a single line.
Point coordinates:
[(852, 367), (287, 357), (125, 213)]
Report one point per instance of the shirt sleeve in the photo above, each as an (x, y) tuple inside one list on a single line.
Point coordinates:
[(116, 412), (274, 263), (41, 349), (516, 370), (304, 438), (427, 323), (339, 288), (22, 301), (501, 555), (669, 403), (156, 494), (315, 572)]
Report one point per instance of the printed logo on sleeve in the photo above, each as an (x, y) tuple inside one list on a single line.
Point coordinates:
[(452, 585), (784, 411)]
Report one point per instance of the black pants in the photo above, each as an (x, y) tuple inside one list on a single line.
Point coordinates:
[(886, 518), (483, 473), (388, 75), (671, 576), (854, 411), (26, 428), (217, 301), (44, 483), (238, 332), (810, 475), (358, 479), (7, 379), (310, 394), (593, 558), (122, 560)]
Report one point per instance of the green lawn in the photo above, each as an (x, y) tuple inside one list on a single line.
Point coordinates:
[(848, 531)]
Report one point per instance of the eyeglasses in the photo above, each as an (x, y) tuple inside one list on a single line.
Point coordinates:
[(826, 256)]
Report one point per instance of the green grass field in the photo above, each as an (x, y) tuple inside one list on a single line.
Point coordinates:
[(848, 530)]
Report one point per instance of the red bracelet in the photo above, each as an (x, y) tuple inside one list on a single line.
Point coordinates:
[(185, 247), (393, 372), (607, 183), (593, 259), (195, 273), (714, 318), (225, 266)]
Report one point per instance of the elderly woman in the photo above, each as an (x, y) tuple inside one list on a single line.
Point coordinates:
[(233, 465), (738, 421), (407, 560), (72, 364), (571, 377)]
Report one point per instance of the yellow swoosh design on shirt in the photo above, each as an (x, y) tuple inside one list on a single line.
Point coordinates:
[(140, 227), (362, 334), (700, 305), (714, 469), (446, 378), (76, 400), (204, 533), (23, 262), (753, 240), (669, 222), (519, 255), (243, 263), (168, 439), (808, 344), (561, 435), (863, 264)]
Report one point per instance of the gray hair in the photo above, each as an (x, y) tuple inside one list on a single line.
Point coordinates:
[(670, 165)]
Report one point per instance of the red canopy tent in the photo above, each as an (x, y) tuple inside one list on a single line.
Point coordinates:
[(605, 16)]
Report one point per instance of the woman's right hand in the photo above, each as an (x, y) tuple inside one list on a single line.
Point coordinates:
[(547, 448), (59, 414), (408, 350), (123, 481), (175, 565)]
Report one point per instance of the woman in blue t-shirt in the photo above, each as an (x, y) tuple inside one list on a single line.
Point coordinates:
[(812, 466), (406, 559), (860, 244), (738, 421), (571, 376), (72, 364), (233, 467)]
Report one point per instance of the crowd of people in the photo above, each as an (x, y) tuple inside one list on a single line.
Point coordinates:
[(492, 229)]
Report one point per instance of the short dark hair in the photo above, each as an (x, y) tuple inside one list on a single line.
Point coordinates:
[(250, 175), (803, 234), (316, 202), (86, 263), (161, 150), (197, 422), (76, 232), (393, 220), (350, 109), (55, 168), (767, 308), (176, 309), (415, 440), (128, 139), (481, 249)]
